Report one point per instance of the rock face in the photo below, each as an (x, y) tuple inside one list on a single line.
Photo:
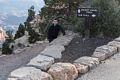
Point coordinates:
[(115, 44), (63, 71), (81, 68), (53, 51), (88, 61), (29, 73), (41, 62), (108, 50)]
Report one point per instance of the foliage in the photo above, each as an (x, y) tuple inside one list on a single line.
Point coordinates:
[(106, 23), (6, 48), (108, 19), (31, 14), (63, 9), (20, 32), (34, 36)]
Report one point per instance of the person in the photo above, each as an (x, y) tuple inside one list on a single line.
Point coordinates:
[(54, 30)]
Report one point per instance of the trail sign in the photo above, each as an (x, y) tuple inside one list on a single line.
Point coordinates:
[(87, 12)]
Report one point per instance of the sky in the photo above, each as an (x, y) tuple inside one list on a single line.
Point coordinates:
[(14, 12), (18, 7)]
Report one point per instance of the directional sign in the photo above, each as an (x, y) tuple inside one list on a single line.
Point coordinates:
[(87, 12)]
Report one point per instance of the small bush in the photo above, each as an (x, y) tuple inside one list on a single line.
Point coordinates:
[(6, 47)]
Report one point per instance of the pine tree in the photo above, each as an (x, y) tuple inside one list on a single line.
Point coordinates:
[(20, 32), (65, 10)]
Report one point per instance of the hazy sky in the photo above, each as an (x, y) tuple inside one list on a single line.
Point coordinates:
[(18, 7)]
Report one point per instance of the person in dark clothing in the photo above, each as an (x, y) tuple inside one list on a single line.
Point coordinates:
[(54, 30)]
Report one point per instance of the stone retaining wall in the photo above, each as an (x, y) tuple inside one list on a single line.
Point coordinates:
[(43, 67)]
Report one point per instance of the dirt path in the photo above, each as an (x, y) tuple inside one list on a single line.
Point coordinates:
[(79, 48), (11, 62)]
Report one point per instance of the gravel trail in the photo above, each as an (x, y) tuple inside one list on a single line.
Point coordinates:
[(11, 62)]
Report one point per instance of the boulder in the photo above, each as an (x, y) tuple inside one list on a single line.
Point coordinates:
[(62, 40), (29, 73), (42, 62), (22, 40), (108, 50), (88, 61), (53, 51), (81, 68), (115, 44), (100, 55), (63, 71), (117, 39)]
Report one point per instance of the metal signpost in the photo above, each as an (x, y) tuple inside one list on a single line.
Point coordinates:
[(88, 14)]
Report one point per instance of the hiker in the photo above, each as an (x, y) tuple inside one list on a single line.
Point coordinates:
[(54, 30)]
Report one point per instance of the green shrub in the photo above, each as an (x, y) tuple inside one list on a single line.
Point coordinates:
[(6, 47), (33, 36), (108, 19)]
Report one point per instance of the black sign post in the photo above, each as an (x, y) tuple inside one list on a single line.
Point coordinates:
[(89, 14)]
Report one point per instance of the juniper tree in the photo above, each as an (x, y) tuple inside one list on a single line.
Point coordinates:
[(6, 47)]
